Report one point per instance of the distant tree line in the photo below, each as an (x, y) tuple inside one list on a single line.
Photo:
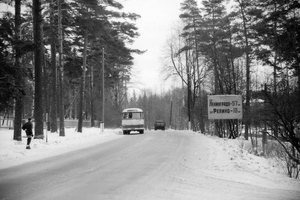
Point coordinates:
[(168, 107)]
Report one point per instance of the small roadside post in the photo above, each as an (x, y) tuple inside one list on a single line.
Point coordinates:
[(46, 126), (102, 126), (264, 141)]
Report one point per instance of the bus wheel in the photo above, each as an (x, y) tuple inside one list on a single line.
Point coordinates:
[(124, 132), (142, 132)]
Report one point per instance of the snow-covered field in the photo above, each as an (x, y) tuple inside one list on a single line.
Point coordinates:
[(228, 159)]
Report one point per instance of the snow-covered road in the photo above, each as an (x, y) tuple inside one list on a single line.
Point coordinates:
[(155, 165)]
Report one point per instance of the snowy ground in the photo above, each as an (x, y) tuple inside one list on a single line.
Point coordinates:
[(230, 160), (225, 159), (14, 152)]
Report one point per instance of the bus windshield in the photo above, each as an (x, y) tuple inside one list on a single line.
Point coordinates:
[(132, 115)]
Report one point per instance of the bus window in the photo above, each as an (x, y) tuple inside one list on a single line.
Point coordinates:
[(133, 115), (125, 115), (137, 115)]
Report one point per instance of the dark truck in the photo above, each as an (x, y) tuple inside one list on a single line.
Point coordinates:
[(159, 124)]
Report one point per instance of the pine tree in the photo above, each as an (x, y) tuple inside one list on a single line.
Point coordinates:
[(53, 106), (38, 62), (19, 77)]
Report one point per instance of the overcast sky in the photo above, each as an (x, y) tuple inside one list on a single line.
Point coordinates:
[(157, 19)]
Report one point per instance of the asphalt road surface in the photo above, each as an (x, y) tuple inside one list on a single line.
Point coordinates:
[(136, 166)]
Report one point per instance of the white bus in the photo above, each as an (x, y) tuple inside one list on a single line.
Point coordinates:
[(133, 120)]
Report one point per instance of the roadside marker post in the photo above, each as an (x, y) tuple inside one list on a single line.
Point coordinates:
[(47, 117), (264, 141)]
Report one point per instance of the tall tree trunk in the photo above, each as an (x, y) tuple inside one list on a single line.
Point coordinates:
[(215, 57), (247, 106), (216, 74), (53, 106), (38, 62), (19, 79), (298, 93), (61, 73), (188, 71), (80, 112), (232, 65), (275, 66)]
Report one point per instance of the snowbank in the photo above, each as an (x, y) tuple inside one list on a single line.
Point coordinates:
[(229, 159), (14, 153)]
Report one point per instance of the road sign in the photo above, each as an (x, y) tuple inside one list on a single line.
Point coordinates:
[(225, 107)]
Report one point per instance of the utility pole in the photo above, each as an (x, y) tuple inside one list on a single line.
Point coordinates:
[(171, 113), (103, 103), (92, 96)]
